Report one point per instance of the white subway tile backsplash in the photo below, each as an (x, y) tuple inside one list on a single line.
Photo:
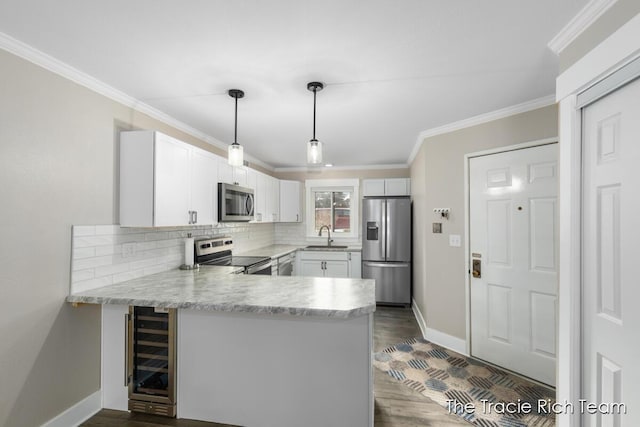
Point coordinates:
[(87, 285), (80, 253), (82, 264), (84, 230), (91, 241), (106, 229), (84, 274), (98, 258), (109, 270)]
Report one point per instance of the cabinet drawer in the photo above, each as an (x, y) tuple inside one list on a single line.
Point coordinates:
[(324, 256)]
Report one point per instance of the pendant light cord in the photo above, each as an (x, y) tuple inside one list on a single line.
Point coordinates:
[(235, 131), (314, 113)]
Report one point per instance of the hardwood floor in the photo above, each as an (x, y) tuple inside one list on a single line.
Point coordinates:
[(395, 404)]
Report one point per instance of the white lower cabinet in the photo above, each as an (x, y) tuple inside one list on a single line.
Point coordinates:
[(115, 394), (329, 264)]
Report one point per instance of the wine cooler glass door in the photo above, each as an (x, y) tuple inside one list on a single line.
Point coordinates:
[(152, 372)]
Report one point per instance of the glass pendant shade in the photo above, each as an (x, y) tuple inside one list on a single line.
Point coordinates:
[(236, 155), (314, 152), (236, 152)]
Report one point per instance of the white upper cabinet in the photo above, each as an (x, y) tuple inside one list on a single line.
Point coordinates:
[(373, 187), (252, 179), (232, 174), (225, 171), (386, 187), (165, 182), (204, 188), (273, 199), (267, 198), (290, 201), (260, 210)]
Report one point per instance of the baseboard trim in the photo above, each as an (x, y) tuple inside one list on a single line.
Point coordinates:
[(445, 340), (78, 413)]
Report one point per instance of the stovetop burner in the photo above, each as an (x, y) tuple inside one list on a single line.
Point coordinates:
[(217, 251)]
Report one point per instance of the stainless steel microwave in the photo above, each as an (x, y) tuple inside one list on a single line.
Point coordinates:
[(235, 203)]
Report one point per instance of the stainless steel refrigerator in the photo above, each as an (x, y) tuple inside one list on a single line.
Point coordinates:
[(386, 247)]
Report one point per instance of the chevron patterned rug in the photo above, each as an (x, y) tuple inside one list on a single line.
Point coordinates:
[(481, 394)]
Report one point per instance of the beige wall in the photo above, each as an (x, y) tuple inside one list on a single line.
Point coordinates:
[(619, 14), (437, 180), (58, 167)]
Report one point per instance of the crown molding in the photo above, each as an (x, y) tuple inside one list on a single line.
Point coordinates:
[(587, 16), (480, 119), (65, 70), (342, 168)]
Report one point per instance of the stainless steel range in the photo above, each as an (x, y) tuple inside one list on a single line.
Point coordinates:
[(219, 251)]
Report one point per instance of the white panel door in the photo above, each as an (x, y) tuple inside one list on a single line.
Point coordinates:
[(514, 238), (172, 182), (611, 215), (204, 186)]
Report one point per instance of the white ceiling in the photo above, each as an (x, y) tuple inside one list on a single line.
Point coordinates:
[(392, 68)]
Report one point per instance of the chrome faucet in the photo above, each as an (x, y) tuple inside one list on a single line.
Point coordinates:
[(328, 234)]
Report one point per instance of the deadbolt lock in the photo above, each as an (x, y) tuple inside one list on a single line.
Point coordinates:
[(476, 268)]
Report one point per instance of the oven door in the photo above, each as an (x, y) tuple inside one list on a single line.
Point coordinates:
[(263, 268), (235, 203)]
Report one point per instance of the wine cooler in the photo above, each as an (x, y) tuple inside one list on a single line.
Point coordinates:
[(151, 360)]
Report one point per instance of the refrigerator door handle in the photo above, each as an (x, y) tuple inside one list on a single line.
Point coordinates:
[(385, 264)]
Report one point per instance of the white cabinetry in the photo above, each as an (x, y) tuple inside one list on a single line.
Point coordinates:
[(115, 394), (273, 199), (204, 188), (290, 206), (267, 198), (329, 264), (165, 182), (386, 187), (231, 174)]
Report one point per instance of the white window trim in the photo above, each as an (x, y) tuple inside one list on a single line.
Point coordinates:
[(312, 185)]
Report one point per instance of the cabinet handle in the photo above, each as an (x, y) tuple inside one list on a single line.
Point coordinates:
[(126, 349), (190, 217), (297, 218), (195, 217)]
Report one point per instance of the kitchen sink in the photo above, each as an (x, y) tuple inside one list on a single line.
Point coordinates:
[(326, 247)]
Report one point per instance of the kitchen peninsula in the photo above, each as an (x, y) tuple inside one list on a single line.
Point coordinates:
[(253, 350)]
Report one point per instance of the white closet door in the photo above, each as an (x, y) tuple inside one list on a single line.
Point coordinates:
[(611, 290)]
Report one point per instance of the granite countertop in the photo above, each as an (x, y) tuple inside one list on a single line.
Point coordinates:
[(211, 288)]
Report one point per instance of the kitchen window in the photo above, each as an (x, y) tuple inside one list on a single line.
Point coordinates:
[(333, 203)]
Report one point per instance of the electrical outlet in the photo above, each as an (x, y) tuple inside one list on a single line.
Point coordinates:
[(128, 250), (455, 240)]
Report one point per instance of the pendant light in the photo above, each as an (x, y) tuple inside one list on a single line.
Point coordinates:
[(236, 155), (314, 147)]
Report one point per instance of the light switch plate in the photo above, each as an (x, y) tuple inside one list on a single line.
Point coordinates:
[(455, 240)]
